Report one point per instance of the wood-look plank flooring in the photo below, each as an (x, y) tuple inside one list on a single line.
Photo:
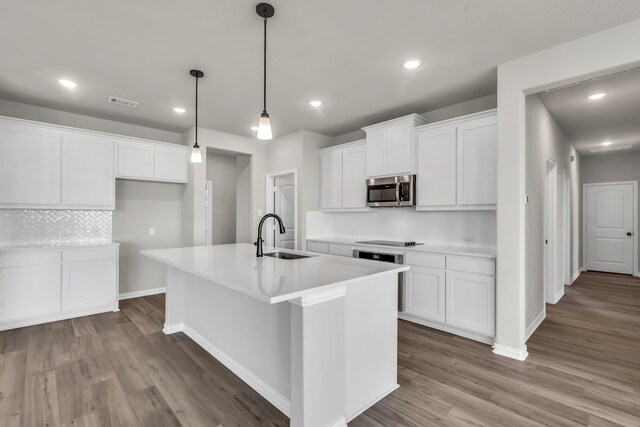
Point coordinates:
[(120, 369)]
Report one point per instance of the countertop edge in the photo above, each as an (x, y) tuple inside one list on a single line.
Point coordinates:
[(61, 247)]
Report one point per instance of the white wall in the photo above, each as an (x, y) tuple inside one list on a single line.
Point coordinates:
[(243, 199), (611, 168), (546, 139), (193, 209), (47, 115), (473, 228), (456, 110), (299, 151), (221, 171), (578, 60), (139, 206)]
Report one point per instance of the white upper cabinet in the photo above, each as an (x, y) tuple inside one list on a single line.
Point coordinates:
[(477, 162), (331, 179), (343, 175), (152, 161), (436, 178), (87, 171), (29, 165), (135, 160), (171, 163), (391, 146), (457, 162), (354, 176)]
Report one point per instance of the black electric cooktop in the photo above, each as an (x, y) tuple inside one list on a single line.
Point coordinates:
[(390, 243)]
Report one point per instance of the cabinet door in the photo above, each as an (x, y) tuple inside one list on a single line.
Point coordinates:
[(135, 160), (377, 152), (87, 170), (471, 302), (29, 165), (29, 291), (171, 163), (87, 284), (425, 293), (354, 177), (331, 179), (477, 162), (436, 177), (400, 149)]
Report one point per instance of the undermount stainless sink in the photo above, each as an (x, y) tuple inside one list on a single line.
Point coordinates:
[(286, 255)]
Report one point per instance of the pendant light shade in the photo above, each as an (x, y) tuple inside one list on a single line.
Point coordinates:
[(264, 127), (196, 154), (265, 10)]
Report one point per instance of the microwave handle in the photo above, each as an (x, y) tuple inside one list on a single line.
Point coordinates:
[(398, 194)]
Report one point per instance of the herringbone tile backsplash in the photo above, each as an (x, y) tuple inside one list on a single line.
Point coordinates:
[(42, 226)]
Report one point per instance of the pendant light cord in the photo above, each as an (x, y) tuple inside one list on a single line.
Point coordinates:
[(265, 65), (196, 142)]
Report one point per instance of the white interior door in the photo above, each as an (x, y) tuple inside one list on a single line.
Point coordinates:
[(549, 227), (610, 227), (284, 207)]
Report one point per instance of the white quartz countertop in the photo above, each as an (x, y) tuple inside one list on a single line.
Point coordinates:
[(270, 279), (464, 250), (56, 246)]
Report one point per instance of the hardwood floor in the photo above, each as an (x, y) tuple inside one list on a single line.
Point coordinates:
[(120, 369)]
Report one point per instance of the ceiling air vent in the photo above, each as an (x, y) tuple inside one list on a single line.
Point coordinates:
[(122, 102)]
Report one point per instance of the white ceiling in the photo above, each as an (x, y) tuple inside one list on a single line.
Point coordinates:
[(588, 124), (345, 53)]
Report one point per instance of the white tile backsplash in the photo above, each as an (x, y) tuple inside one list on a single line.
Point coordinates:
[(44, 226), (407, 224)]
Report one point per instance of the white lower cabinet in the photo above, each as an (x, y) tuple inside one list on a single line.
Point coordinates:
[(425, 293), (49, 285), (471, 301)]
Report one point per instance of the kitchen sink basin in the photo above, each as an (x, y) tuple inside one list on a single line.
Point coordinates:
[(286, 255)]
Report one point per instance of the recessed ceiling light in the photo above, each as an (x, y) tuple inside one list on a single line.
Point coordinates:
[(67, 83), (607, 143), (179, 110), (412, 64), (315, 103), (597, 96), (254, 128)]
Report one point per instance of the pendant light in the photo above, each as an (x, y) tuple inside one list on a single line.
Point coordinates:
[(265, 10), (196, 154)]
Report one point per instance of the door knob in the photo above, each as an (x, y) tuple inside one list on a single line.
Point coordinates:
[(629, 234)]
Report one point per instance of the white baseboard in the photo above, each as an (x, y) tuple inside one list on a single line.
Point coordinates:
[(265, 390), (370, 404), (142, 293), (534, 325), (447, 328), (511, 352), (56, 316), (558, 296), (575, 277), (172, 329), (340, 422), (583, 268)]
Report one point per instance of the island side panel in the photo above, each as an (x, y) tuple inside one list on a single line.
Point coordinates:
[(371, 342), (174, 301), (248, 336), (318, 359)]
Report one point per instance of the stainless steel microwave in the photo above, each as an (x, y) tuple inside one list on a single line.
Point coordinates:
[(392, 191)]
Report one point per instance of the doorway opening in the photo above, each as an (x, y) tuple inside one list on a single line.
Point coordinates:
[(282, 199), (550, 230), (567, 229), (227, 197)]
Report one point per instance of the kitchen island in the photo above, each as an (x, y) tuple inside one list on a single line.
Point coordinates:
[(316, 336)]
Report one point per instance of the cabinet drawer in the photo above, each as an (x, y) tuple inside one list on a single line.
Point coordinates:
[(318, 247), (21, 259), (342, 250), (472, 265), (425, 260), (89, 254)]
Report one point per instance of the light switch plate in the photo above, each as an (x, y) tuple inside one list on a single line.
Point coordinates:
[(152, 231)]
